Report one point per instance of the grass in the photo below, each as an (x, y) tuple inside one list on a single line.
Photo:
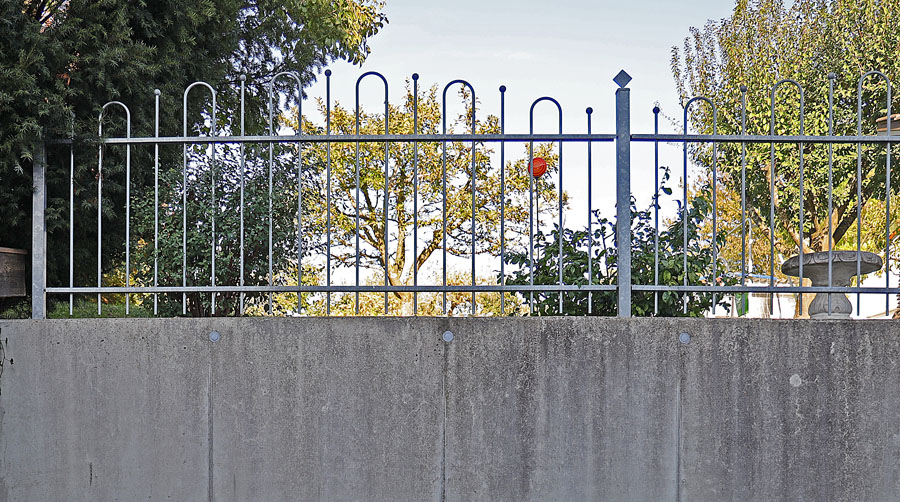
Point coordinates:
[(82, 309), (19, 308), (88, 310)]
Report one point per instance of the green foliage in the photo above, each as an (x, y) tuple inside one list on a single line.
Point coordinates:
[(761, 43), (603, 270), (426, 161), (15, 308), (195, 267), (227, 173), (59, 58)]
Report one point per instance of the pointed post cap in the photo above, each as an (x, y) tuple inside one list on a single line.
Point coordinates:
[(622, 79)]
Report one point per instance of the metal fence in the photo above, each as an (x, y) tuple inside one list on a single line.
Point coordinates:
[(621, 290)]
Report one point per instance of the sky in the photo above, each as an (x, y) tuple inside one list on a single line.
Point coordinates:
[(568, 50)]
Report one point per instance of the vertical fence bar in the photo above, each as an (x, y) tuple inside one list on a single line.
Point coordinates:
[(299, 198), (559, 235), (715, 222), (887, 197), (387, 197), (243, 178), (213, 208), (99, 214), (531, 224), (858, 211), (858, 189), (127, 201), (887, 206), (415, 254), (39, 234), (772, 207), (800, 145), (590, 205), (128, 220), (831, 78), (328, 192), (156, 93), (444, 213), (273, 132), (444, 184), (184, 127), (684, 212), (623, 193), (655, 211), (184, 209), (802, 208), (474, 184), (560, 197), (502, 200), (744, 191), (270, 274), (373, 216), (356, 268), (72, 212)]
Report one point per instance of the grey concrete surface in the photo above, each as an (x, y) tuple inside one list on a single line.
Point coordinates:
[(341, 410), (786, 410), (103, 410), (561, 409), (511, 409)]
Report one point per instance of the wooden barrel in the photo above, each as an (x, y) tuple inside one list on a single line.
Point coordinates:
[(13, 271)]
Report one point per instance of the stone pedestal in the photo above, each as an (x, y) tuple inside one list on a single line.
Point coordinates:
[(843, 268)]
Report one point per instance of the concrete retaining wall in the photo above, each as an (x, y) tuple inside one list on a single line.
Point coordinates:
[(511, 409)]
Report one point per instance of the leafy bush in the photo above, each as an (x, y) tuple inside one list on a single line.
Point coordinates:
[(604, 258)]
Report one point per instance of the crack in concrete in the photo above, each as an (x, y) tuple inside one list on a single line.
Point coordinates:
[(209, 420), (678, 430), (444, 425)]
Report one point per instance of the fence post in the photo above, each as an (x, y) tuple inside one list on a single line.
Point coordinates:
[(39, 235), (623, 192)]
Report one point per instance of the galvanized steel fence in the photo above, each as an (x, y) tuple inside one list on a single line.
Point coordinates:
[(624, 286)]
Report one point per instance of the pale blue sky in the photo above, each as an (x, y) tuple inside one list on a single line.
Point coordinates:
[(567, 50)]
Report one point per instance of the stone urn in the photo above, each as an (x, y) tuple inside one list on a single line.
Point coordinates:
[(815, 267), (13, 272)]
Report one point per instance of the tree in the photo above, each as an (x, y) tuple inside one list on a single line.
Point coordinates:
[(761, 43), (228, 171), (603, 252), (429, 304), (60, 57), (395, 255)]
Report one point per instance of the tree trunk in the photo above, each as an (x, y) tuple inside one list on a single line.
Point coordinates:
[(806, 299)]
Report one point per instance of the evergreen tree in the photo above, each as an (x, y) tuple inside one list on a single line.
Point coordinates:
[(64, 58)]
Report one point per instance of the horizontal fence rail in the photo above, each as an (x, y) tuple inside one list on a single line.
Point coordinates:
[(488, 138), (353, 138), (370, 212)]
